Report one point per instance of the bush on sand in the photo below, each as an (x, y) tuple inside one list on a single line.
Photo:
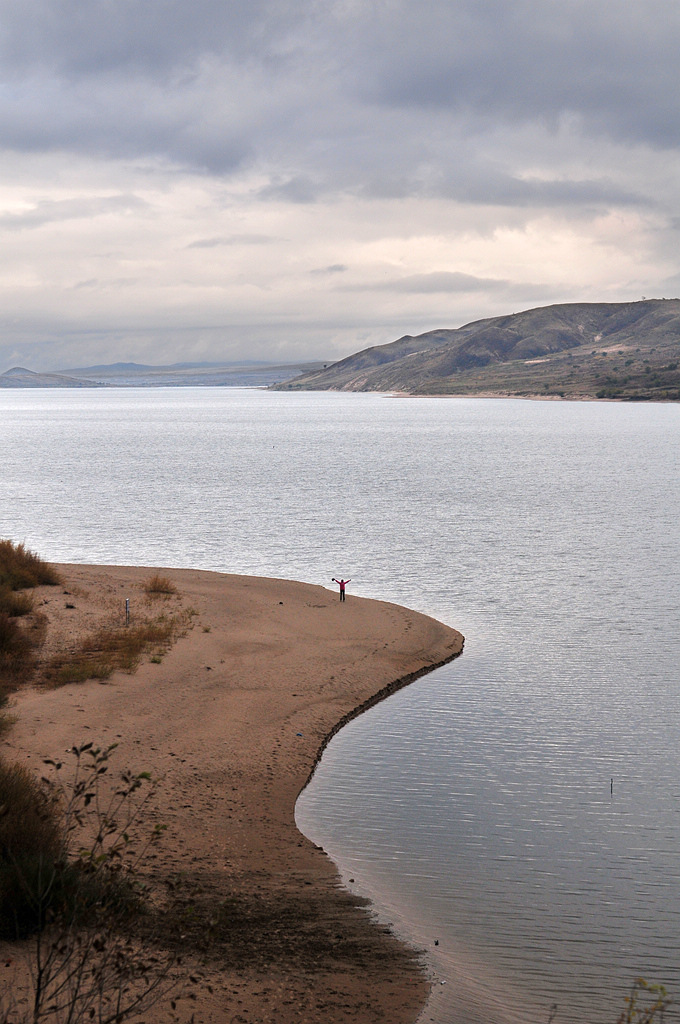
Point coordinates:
[(21, 569), (158, 585), (69, 865)]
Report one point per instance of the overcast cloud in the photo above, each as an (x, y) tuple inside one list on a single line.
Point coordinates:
[(259, 178)]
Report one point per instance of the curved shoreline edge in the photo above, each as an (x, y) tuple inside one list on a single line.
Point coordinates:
[(378, 698), (370, 702), (234, 718)]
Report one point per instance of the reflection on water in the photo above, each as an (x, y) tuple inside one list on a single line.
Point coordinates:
[(475, 807)]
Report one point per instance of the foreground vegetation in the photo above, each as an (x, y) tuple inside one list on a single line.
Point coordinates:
[(99, 949), (111, 649), (645, 1004), (107, 649), (20, 571), (69, 878)]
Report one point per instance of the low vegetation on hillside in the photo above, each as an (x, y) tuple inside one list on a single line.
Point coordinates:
[(640, 374)]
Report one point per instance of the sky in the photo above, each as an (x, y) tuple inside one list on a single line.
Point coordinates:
[(220, 180)]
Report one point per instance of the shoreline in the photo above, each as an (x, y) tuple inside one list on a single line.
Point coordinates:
[(249, 697), (375, 699)]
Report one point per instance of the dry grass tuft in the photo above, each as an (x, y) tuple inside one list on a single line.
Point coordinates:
[(21, 568), (158, 584), (15, 603), (109, 650)]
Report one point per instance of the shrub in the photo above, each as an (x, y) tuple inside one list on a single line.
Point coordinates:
[(14, 603), (645, 1004), (159, 585), (31, 845), (16, 651), (21, 568), (97, 877), (83, 963), (13, 640)]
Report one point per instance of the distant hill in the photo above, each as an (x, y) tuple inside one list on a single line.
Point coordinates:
[(622, 350), (248, 373), (20, 377)]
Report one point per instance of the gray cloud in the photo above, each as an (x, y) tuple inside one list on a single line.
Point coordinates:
[(243, 162), (513, 191), (218, 85), (479, 183), (614, 69), (436, 281), (244, 239), (77, 40), (333, 268), (298, 189)]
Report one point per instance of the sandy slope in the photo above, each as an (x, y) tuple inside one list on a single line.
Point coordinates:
[(233, 719)]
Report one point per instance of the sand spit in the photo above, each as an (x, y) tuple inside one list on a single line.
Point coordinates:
[(233, 718)]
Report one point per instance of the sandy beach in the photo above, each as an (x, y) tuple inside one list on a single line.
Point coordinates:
[(232, 719)]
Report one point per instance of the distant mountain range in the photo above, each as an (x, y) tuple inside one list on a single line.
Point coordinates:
[(622, 350), (244, 374)]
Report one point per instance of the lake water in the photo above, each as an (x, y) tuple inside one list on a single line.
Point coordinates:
[(475, 807)]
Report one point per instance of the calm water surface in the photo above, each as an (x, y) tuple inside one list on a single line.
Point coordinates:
[(475, 807)]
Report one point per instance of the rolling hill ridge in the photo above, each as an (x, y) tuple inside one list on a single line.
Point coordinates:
[(623, 350)]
